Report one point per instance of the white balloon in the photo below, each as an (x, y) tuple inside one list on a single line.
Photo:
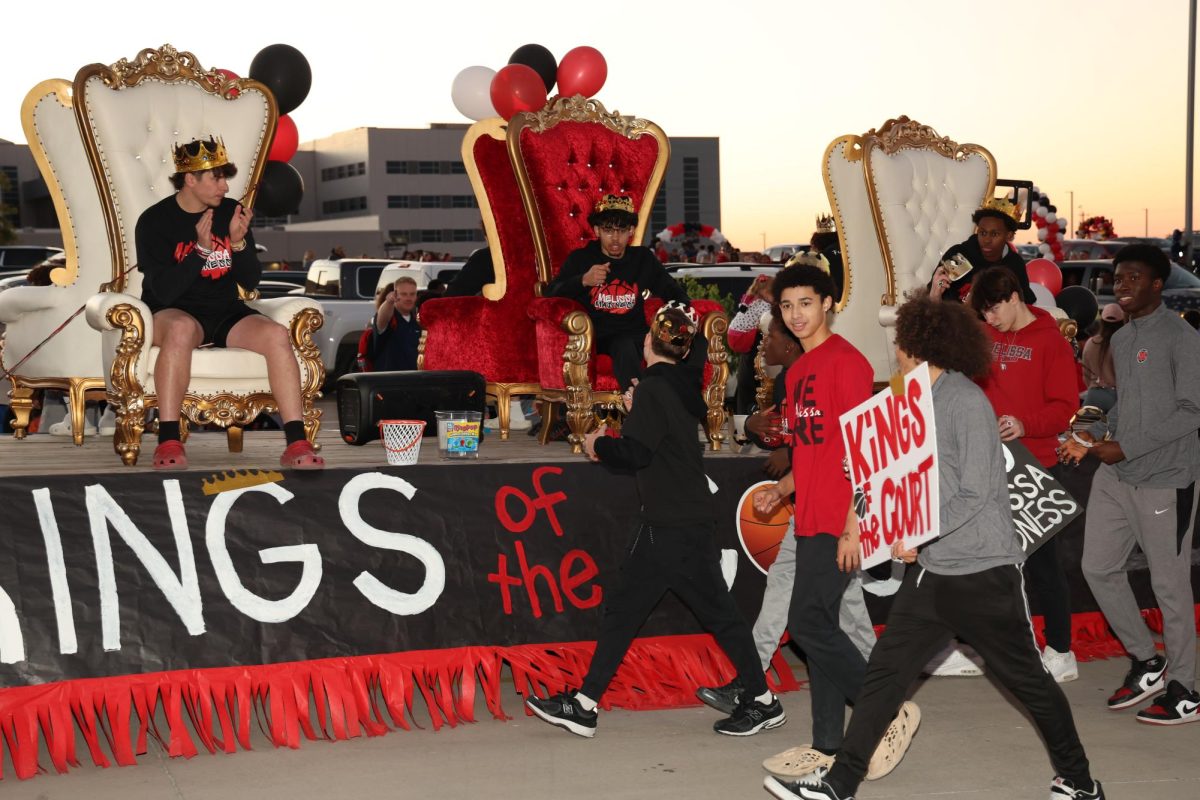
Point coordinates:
[(472, 93), (1040, 211), (1042, 296), (1043, 248), (1041, 234), (1051, 218)]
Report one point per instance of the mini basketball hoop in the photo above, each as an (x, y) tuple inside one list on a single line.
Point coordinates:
[(402, 440)]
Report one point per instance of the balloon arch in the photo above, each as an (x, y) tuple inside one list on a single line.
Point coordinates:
[(681, 230)]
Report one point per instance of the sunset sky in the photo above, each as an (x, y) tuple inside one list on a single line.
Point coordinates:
[(1083, 97)]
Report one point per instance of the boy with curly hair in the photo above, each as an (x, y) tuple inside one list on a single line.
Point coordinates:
[(966, 583)]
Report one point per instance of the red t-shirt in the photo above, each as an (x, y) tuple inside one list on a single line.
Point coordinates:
[(823, 384)]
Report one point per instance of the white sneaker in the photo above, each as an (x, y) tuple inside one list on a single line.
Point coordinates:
[(1062, 666), (62, 428), (954, 662)]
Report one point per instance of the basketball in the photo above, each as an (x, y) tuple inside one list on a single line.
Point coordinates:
[(761, 534)]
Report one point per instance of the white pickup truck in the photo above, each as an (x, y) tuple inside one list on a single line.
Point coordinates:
[(345, 288)]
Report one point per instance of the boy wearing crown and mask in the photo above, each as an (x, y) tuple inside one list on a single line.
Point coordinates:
[(194, 249), (675, 546), (990, 246), (611, 277)]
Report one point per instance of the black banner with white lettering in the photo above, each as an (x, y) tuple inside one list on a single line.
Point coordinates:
[(135, 573), (1041, 506)]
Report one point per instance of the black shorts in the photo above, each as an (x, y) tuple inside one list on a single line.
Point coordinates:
[(217, 325)]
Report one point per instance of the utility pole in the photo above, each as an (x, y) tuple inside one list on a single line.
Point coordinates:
[(1146, 225), (1072, 231), (1191, 126)]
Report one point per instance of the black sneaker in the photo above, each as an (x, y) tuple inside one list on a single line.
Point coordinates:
[(751, 716), (564, 711), (1175, 706), (722, 698), (1063, 789), (1144, 679), (812, 786)]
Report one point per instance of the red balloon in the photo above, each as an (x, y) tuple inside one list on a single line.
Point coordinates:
[(230, 75), (1045, 272), (517, 88), (286, 140), (582, 71)]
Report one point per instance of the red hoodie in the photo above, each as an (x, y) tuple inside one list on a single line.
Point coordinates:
[(1033, 378)]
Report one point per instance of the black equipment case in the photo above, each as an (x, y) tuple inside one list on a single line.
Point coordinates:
[(365, 398)]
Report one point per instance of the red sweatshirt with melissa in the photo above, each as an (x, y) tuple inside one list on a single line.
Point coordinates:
[(1033, 378)]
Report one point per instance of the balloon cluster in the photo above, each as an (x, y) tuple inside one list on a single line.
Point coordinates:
[(1049, 227), (285, 71), (525, 83), (1096, 227)]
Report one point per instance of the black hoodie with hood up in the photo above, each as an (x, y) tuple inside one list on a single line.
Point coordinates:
[(659, 442)]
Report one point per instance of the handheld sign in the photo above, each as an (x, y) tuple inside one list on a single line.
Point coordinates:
[(1041, 507), (891, 451)]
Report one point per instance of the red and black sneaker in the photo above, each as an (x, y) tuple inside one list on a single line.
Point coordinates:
[(1175, 706), (1144, 679)]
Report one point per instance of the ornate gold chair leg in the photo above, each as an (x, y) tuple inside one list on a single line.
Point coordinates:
[(127, 440), (22, 408), (75, 392), (312, 424), (549, 417), (503, 412), (715, 427), (580, 417), (183, 429), (233, 435)]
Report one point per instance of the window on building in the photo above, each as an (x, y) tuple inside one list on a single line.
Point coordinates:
[(691, 190), (428, 235), (658, 215), (468, 235), (463, 201), (344, 205), (397, 167), (398, 201), (430, 201), (458, 168), (10, 198), (362, 168), (428, 167)]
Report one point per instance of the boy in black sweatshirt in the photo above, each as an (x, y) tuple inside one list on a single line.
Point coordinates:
[(194, 250), (611, 278), (674, 547)]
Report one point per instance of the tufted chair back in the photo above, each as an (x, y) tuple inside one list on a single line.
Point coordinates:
[(901, 196), (568, 156), (132, 115)]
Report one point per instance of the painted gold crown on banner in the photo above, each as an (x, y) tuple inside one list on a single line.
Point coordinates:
[(209, 154)]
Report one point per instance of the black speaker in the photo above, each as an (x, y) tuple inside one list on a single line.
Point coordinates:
[(365, 398)]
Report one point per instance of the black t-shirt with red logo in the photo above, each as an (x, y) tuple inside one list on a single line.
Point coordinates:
[(616, 307), (175, 274)]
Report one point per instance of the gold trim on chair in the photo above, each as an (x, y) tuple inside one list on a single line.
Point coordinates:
[(581, 109), (852, 151), (168, 65), (494, 128), (899, 134), (61, 90)]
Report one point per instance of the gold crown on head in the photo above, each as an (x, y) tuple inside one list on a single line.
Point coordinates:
[(1004, 206), (200, 154), (825, 223), (615, 202)]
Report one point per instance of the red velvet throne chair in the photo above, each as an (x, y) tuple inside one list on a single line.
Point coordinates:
[(565, 158), (491, 334)]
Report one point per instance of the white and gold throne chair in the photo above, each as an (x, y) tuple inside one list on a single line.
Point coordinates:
[(901, 196), (129, 116), (70, 361)]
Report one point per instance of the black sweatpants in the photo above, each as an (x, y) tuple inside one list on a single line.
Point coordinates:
[(1048, 585), (987, 610), (685, 561)]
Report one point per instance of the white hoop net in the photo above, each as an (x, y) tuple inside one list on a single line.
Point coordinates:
[(402, 440)]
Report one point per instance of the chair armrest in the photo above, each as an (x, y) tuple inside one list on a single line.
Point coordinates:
[(562, 324), (438, 311), (283, 309), (98, 306), (552, 309), (21, 300)]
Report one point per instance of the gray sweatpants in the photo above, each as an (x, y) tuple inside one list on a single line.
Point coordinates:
[(1120, 515), (777, 597)]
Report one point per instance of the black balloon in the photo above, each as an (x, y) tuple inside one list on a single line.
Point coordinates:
[(279, 191), (1079, 303), (1053, 209), (286, 72), (540, 59)]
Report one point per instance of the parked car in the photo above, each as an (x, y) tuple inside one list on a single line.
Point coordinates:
[(731, 279), (1181, 292), (780, 253), (16, 259), (423, 272), (345, 288), (1090, 249)]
